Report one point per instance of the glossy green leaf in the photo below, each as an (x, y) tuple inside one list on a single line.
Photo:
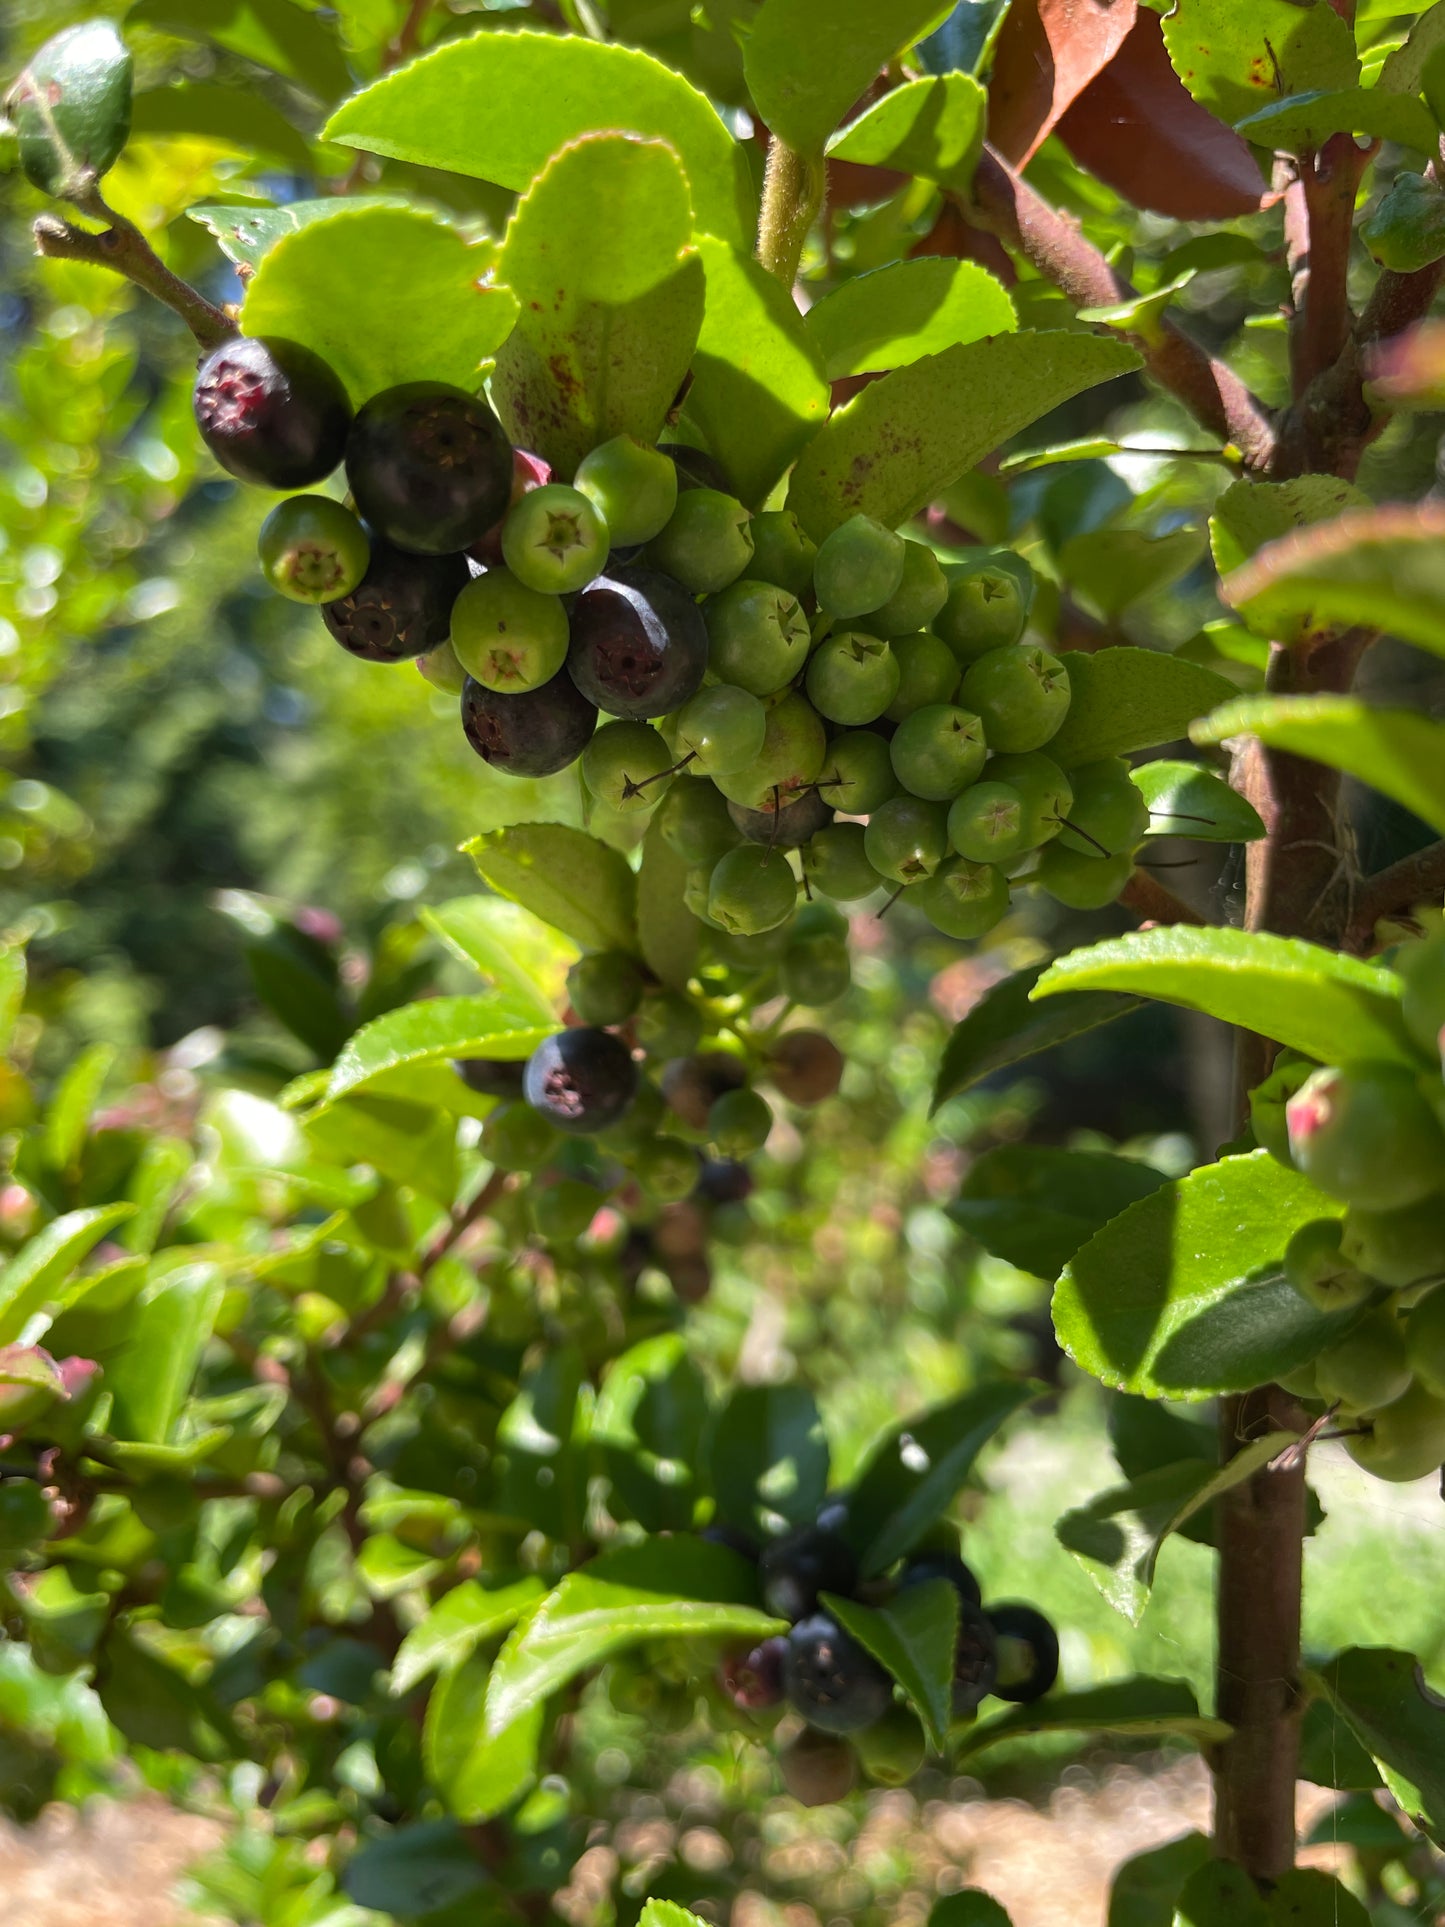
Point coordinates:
[(246, 232), (235, 116), (915, 1639), (1249, 514), (1134, 1708), (912, 1472), (1302, 122), (498, 106), (969, 1908), (409, 263), (667, 1587), (415, 1870), (456, 1625), (932, 128), (1034, 1205), (155, 1187), (166, 1330), (611, 299), (507, 944), (570, 880), (648, 1427), (1220, 1894), (1126, 699), (1184, 1295), (541, 1437), (1398, 752), (477, 1775), (807, 61), (288, 39), (1005, 1027), (1403, 71), (895, 314), (1145, 1887), (669, 936), (1234, 59), (388, 1567), (1314, 1000), (500, 1024), (896, 445), (758, 388), (1111, 568), (1399, 1721), (68, 1117), (1376, 568), (1117, 1537), (1188, 800), (42, 1265), (767, 1458)]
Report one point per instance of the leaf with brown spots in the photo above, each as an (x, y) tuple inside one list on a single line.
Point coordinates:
[(1236, 59), (1048, 52)]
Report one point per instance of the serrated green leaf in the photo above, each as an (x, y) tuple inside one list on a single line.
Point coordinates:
[(932, 128), (915, 1639), (807, 61), (500, 1024), (667, 1913), (235, 116), (758, 389), (895, 314), (912, 1472), (477, 1775), (42, 1265), (1302, 122), (1403, 71), (1135, 1708), (1314, 1000), (1125, 699), (1234, 59), (1117, 1537), (1249, 514), (1034, 1205), (895, 446), (68, 1117), (1187, 800), (611, 298), (1110, 568), (647, 1429), (1399, 1721), (457, 1624), (1308, 1897), (572, 881), (497, 106), (1183, 1295), (667, 1587), (1396, 751), (669, 936), (1005, 1026), (508, 944), (1376, 568), (245, 233), (409, 263), (288, 39), (767, 1458)]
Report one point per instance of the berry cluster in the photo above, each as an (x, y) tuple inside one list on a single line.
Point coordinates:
[(857, 703), (1371, 1134), (822, 1673)]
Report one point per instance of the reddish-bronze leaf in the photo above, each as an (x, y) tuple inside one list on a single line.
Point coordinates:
[(1048, 51), (1137, 128)]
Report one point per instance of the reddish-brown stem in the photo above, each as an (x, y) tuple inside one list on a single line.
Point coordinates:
[(1394, 892), (124, 250), (1151, 902), (1319, 207)]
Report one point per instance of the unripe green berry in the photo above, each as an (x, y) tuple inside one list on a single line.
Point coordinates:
[(816, 971), (721, 729), (789, 762), (1425, 1342), (1422, 968), (694, 823), (962, 899), (782, 553), (927, 673), (1267, 1102), (921, 593), (1402, 1441), (313, 549), (1082, 882), (752, 890), (852, 677), (627, 766), (739, 1122), (510, 637), (988, 603), (1021, 693), (1365, 1133), (1318, 1270), (859, 566), (758, 636), (562, 1211), (669, 1024), (906, 839), (938, 751), (1367, 1369), (835, 862), (986, 823), (857, 773), (442, 670), (517, 1138), (604, 987), (1047, 793), (707, 542), (667, 1169), (1108, 816), (1401, 1249), (632, 487)]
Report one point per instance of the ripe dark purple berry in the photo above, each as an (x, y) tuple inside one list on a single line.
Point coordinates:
[(581, 1080), (271, 412), (430, 467), (639, 644), (831, 1680), (724, 1181), (696, 468), (753, 1680), (975, 1662), (491, 1076), (1028, 1652), (787, 828), (401, 607), (924, 1566), (535, 732), (795, 1568)]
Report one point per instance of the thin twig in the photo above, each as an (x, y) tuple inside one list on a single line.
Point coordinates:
[(1394, 892), (122, 248)]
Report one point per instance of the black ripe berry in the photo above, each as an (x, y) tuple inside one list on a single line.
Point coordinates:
[(429, 466), (753, 1680), (696, 468), (724, 1181), (975, 1663), (795, 1568), (492, 1076), (581, 1080), (692, 1085), (401, 607), (830, 1680), (1028, 1652), (639, 644), (271, 412), (924, 1566), (534, 732), (787, 828)]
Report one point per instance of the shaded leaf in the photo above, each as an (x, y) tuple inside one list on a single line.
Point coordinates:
[(499, 1024), (767, 1458), (1234, 59), (905, 438), (1302, 122), (970, 1907), (411, 1870), (1220, 1895), (540, 1474), (1306, 1897), (1046, 54), (1110, 568), (1187, 800), (648, 1426), (807, 61), (1034, 1205), (915, 1639), (1005, 1027), (1126, 699), (1145, 1887), (669, 936), (1401, 1724), (1403, 71), (1135, 1708), (497, 106), (569, 879), (1321, 1002), (1249, 514), (1331, 1754), (246, 232), (234, 116), (929, 128), (288, 39), (894, 314)]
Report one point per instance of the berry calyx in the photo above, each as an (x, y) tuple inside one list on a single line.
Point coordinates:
[(581, 1080), (751, 890), (627, 766), (506, 635), (313, 549), (831, 1680), (272, 412), (638, 648), (536, 732), (429, 467), (554, 540), (1315, 1265), (401, 607), (758, 636)]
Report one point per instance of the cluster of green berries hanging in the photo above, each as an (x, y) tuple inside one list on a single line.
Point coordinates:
[(855, 716), (853, 1716), (1371, 1135)]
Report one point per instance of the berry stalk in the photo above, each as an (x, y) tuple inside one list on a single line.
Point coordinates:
[(123, 249)]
